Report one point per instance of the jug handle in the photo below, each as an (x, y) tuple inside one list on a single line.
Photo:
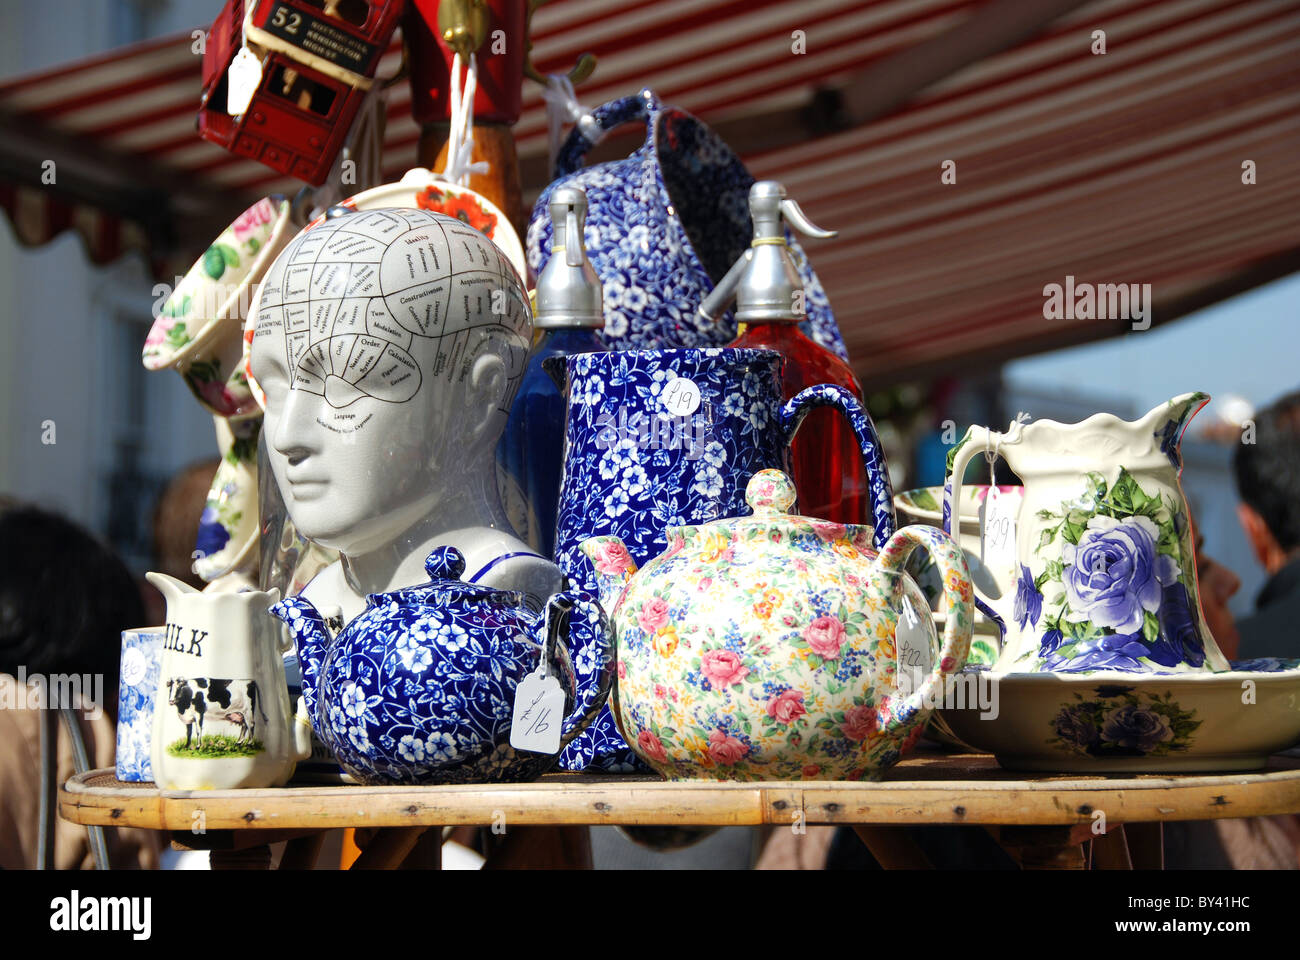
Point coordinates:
[(830, 395), (588, 130), (977, 440), (958, 595), (588, 629)]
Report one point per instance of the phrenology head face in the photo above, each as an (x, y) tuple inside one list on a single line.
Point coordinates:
[(389, 344)]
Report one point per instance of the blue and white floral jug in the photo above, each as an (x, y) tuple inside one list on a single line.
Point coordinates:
[(1106, 565)]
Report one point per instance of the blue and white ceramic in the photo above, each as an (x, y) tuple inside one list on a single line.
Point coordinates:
[(136, 687), (420, 688), (663, 438), (663, 227)]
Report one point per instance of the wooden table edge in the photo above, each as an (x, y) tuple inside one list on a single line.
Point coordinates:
[(620, 801)]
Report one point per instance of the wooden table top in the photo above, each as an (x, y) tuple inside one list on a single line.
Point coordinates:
[(929, 788)]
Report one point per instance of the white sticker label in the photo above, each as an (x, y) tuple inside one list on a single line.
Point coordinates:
[(998, 531), (242, 78), (915, 646), (539, 714), (134, 666), (681, 397)]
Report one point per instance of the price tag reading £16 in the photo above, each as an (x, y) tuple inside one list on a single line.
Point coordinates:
[(539, 712), (914, 644), (998, 531)]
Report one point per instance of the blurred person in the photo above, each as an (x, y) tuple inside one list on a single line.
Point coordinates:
[(1268, 481), (64, 601)]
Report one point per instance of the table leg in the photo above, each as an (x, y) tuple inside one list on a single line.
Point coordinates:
[(247, 858), (387, 848), (554, 848), (892, 847), (427, 852), (1146, 844), (1045, 848), (1110, 851), (301, 854)]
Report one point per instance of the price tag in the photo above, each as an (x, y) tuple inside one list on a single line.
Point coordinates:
[(242, 78), (915, 646), (539, 713), (998, 531), (681, 397)]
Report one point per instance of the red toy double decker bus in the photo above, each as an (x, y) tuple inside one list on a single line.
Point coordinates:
[(318, 62)]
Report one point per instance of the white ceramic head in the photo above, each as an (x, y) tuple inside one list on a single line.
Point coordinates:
[(390, 344)]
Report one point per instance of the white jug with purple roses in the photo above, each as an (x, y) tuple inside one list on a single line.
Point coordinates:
[(1107, 570)]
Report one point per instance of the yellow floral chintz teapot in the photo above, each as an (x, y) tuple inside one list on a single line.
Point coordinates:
[(764, 647)]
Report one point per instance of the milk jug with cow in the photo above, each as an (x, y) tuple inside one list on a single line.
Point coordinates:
[(222, 717)]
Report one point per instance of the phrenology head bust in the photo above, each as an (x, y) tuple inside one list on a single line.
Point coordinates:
[(389, 344)]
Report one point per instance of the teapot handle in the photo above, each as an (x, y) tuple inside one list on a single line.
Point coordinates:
[(830, 395), (588, 644), (959, 595)]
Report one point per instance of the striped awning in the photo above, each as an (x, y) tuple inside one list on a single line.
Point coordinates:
[(1122, 167)]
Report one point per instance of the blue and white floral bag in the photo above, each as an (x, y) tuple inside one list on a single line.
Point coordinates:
[(663, 227)]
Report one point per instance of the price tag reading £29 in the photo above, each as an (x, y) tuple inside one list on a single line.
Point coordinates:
[(998, 531), (539, 714)]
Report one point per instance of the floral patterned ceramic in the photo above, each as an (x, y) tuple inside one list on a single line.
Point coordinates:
[(1138, 723), (1107, 572), (198, 329), (925, 505), (228, 527), (660, 438), (664, 226), (764, 647), (421, 687), (136, 688)]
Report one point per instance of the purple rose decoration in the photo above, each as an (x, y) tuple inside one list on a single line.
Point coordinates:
[(1111, 652), (1179, 639), (1114, 575), (1074, 725), (1136, 728), (1029, 602)]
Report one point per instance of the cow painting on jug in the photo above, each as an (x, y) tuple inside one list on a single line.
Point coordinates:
[(389, 344)]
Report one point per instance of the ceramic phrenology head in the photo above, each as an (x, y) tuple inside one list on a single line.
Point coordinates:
[(390, 344)]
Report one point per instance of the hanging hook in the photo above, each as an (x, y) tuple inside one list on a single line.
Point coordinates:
[(463, 25), (578, 73)]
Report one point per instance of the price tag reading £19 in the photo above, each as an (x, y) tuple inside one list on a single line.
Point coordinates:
[(539, 713), (998, 531)]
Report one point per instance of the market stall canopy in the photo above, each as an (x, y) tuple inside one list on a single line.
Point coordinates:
[(1122, 167)]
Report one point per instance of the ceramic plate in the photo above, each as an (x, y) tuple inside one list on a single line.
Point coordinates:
[(1110, 722)]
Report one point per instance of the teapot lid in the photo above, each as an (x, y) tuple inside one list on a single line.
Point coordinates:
[(445, 567), (771, 495)]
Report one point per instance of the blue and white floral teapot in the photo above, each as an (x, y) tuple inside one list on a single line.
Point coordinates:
[(1106, 565), (420, 687)]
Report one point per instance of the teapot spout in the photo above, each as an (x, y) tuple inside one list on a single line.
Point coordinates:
[(1168, 421), (307, 627), (613, 565)]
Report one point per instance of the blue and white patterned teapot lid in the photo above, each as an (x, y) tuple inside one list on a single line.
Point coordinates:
[(446, 566)]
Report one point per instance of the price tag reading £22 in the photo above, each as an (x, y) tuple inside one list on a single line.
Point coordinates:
[(539, 714), (913, 641), (998, 530)]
